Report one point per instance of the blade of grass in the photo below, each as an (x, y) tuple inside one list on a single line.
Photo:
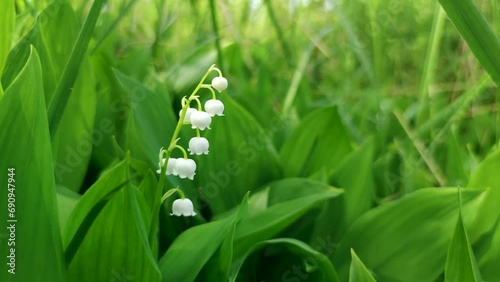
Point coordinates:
[(450, 113), (354, 41), (122, 14), (299, 72), (428, 159), (430, 60), (281, 38), (70, 73), (215, 26), (475, 30)]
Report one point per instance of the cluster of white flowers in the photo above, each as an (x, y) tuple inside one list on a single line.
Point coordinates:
[(199, 120)]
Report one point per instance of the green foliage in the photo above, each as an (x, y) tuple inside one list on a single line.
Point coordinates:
[(37, 226), (338, 118)]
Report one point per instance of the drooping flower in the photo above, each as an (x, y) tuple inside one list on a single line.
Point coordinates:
[(185, 168), (219, 83), (200, 120), (171, 166), (187, 117), (198, 146), (183, 207), (214, 107)]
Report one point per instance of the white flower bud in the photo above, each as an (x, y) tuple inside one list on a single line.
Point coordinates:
[(185, 168), (187, 117), (183, 207), (198, 146), (219, 83), (171, 166), (200, 120), (214, 107)]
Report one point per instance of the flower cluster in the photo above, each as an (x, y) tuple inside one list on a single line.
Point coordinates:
[(199, 120)]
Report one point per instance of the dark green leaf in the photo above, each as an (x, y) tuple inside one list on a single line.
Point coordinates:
[(319, 142)]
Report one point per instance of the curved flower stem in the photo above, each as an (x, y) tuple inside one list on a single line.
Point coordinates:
[(198, 134), (171, 192), (198, 102), (211, 90), (183, 151)]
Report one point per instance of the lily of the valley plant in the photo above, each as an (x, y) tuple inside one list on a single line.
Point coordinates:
[(199, 120)]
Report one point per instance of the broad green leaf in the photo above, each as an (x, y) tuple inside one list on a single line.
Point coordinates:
[(319, 263), (7, 21), (59, 38), (197, 245), (354, 175), (118, 235), (475, 30), (73, 145), (414, 228), (264, 224), (110, 219), (241, 158), (26, 148), (461, 264), (148, 188), (358, 271), (218, 267), (68, 78), (90, 205), (455, 168), (151, 122), (486, 174), (19, 55), (319, 142), (66, 202)]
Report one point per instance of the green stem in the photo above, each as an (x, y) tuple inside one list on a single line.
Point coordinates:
[(214, 96)]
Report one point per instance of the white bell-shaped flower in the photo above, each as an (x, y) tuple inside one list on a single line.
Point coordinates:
[(200, 120), (214, 107), (219, 83), (171, 166), (183, 207), (198, 146), (185, 168), (187, 117)]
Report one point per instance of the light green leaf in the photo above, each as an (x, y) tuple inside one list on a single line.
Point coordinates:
[(19, 55), (319, 142), (486, 174), (358, 271), (474, 29), (66, 202), (414, 228), (68, 78), (7, 21), (110, 219), (26, 147), (151, 122), (461, 264), (73, 145), (241, 158), (354, 175), (261, 225), (197, 245), (319, 263)]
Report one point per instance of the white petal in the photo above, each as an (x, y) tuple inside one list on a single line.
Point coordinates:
[(198, 145), (219, 83), (183, 207), (214, 107), (200, 120), (187, 117)]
